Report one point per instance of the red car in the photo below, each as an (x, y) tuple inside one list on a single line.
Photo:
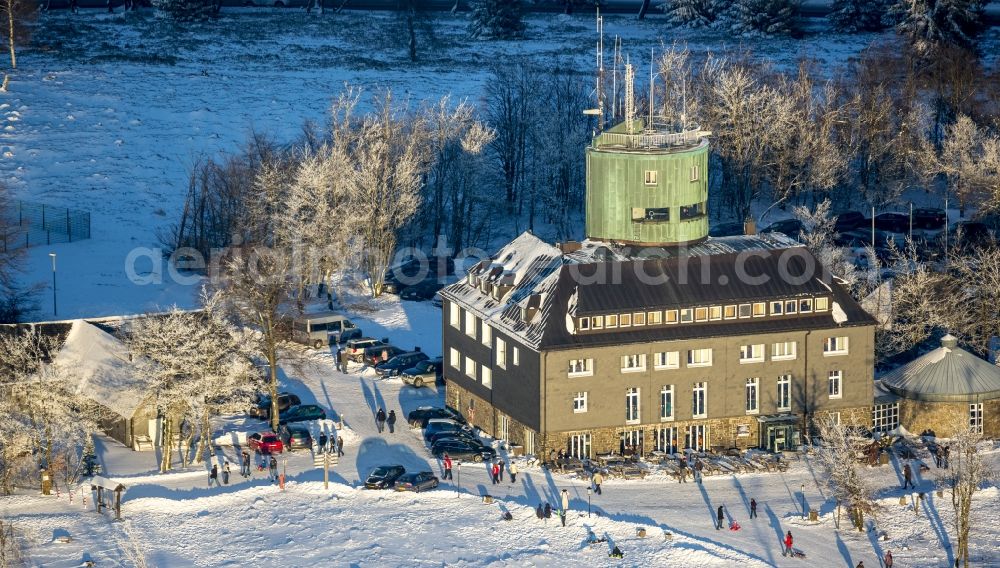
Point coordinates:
[(265, 443)]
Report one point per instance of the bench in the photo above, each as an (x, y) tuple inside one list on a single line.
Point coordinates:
[(142, 444)]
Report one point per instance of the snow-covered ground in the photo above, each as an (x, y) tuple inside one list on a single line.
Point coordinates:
[(178, 521), (108, 113)]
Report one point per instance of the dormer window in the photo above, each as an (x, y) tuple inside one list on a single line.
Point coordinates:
[(777, 308), (687, 315), (625, 320), (584, 324), (822, 304), (791, 307), (746, 310), (701, 314), (729, 312), (597, 322), (654, 318), (805, 305), (671, 316), (715, 313), (759, 309), (611, 321), (639, 318)]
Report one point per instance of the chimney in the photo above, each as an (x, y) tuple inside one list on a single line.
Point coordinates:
[(569, 247), (749, 226)]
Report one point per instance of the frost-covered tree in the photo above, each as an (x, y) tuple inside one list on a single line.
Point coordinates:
[(967, 472), (765, 17), (15, 301), (845, 476), (858, 15), (694, 13), (188, 10), (969, 159), (497, 19), (931, 24)]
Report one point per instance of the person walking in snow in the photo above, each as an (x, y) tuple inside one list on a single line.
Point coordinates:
[(502, 464), (447, 467), (684, 470), (225, 473), (513, 472), (565, 506), (888, 559), (340, 446), (753, 508), (539, 512), (380, 420), (720, 515), (947, 455), (213, 476), (908, 476), (598, 480), (548, 510), (788, 545), (698, 466), (391, 421), (495, 471), (338, 358), (245, 464), (273, 468)]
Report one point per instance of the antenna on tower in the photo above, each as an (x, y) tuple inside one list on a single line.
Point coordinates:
[(599, 111), (651, 59), (629, 98)]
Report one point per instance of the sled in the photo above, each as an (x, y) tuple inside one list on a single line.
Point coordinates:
[(796, 553), (734, 526)]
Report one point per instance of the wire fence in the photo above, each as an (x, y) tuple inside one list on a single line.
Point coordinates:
[(34, 224)]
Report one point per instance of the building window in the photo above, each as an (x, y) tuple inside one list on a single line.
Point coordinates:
[(687, 315), (976, 417), (470, 324), (790, 306), (597, 322), (455, 316), (625, 320), (580, 402), (715, 313), (579, 446), (654, 318), (633, 363), (822, 304), (584, 324), (455, 357), (701, 314), (611, 321), (692, 211), (777, 308), (650, 177), (753, 395), (752, 353), (885, 417), (487, 333), (501, 353), (666, 360), (694, 173), (699, 358), (671, 316), (729, 312), (487, 373), (805, 305), (783, 351), (746, 310), (699, 400), (666, 439), (835, 346), (667, 402), (632, 405), (639, 318), (516, 356), (836, 381), (759, 309), (470, 368), (696, 437), (581, 367), (785, 392)]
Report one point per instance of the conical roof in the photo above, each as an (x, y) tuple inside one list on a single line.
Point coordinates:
[(947, 374)]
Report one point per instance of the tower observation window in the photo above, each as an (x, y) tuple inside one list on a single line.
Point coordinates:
[(692, 211)]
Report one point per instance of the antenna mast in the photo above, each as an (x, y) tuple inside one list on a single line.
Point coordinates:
[(650, 125), (629, 98)]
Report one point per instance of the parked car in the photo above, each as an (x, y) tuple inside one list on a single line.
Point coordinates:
[(421, 291), (424, 373), (929, 218), (791, 227), (378, 353), (462, 450), (262, 408), (893, 222), (302, 413), (436, 425), (416, 481), (384, 476), (848, 220), (460, 434), (421, 415), (400, 363), (859, 238), (321, 330), (265, 443), (726, 230), (295, 437), (356, 347)]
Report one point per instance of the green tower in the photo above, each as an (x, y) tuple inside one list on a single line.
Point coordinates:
[(647, 186)]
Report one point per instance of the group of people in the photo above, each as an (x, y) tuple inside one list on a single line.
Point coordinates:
[(697, 469), (546, 511), (497, 469), (245, 472), (382, 420)]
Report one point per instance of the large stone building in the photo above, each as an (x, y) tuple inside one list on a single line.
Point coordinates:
[(650, 334)]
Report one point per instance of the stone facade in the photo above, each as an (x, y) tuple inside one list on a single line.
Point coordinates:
[(942, 417)]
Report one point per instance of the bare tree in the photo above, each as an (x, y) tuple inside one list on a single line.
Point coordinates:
[(19, 13), (969, 159), (850, 485), (967, 472)]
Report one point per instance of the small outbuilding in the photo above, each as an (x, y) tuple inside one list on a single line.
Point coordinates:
[(944, 384)]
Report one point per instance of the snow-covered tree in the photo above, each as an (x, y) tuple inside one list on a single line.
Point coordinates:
[(931, 24), (967, 472), (765, 17), (858, 15), (845, 476), (189, 10), (497, 19), (15, 300), (969, 158), (694, 13)]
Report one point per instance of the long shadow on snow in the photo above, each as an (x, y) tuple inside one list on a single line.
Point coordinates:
[(776, 524), (746, 503), (376, 451), (844, 552), (939, 529), (708, 502)]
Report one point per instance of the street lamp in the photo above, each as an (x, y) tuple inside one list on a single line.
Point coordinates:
[(589, 491), (458, 486), (802, 492), (52, 255)]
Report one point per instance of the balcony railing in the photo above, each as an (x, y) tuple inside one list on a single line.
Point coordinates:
[(650, 140)]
